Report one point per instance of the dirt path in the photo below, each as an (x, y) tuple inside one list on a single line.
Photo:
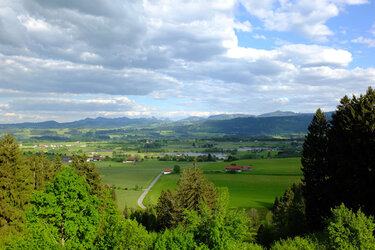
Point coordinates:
[(140, 199)]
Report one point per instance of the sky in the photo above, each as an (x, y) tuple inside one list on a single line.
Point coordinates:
[(68, 60)]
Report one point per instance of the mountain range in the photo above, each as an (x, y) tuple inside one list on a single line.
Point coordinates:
[(274, 123)]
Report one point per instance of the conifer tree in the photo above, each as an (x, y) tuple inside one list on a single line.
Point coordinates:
[(193, 188), (351, 154), (15, 185), (41, 169), (168, 212), (315, 170), (90, 173)]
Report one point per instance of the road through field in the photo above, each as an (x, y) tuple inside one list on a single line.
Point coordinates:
[(141, 198)]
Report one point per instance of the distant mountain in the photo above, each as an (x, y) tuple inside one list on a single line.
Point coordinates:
[(100, 122), (252, 126), (192, 119), (227, 116), (279, 113), (275, 123)]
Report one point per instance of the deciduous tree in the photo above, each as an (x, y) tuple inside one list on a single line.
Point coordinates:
[(65, 212)]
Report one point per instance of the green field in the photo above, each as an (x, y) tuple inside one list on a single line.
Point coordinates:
[(132, 176), (257, 188)]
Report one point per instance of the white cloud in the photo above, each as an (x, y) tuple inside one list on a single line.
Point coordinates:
[(183, 55), (256, 36), (367, 41), (305, 17)]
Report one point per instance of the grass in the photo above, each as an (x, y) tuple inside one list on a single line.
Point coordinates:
[(254, 189), (132, 176)]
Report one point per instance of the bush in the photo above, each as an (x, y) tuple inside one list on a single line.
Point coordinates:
[(297, 243)]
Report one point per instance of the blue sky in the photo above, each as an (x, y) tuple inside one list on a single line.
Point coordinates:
[(68, 60)]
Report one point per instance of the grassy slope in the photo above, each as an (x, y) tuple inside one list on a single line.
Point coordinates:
[(258, 188)]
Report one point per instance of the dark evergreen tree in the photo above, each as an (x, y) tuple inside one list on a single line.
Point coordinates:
[(315, 170), (351, 153), (289, 213), (168, 212), (15, 186)]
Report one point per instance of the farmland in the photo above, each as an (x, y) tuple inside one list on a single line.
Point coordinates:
[(257, 188)]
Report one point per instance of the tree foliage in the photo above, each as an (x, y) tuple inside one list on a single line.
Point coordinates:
[(351, 150), (90, 173), (339, 161), (65, 212), (168, 211), (349, 230), (314, 167), (289, 212), (193, 188), (15, 186)]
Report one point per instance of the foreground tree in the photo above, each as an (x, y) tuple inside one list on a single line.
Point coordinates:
[(339, 161), (351, 153), (315, 170), (15, 186), (349, 230), (65, 213)]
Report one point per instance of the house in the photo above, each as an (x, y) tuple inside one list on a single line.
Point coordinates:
[(237, 169), (98, 158), (129, 160), (167, 171), (247, 167)]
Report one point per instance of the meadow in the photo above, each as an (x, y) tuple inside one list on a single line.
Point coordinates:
[(254, 189), (129, 179)]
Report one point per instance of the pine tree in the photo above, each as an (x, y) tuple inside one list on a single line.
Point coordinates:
[(15, 185), (168, 212), (315, 170), (193, 188), (351, 153), (41, 169)]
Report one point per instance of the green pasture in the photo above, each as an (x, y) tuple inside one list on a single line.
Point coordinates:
[(257, 188), (130, 179)]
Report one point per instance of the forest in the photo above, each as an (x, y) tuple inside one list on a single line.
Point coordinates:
[(46, 204)]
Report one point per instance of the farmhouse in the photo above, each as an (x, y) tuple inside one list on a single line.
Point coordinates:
[(238, 169), (167, 171), (98, 158), (129, 160)]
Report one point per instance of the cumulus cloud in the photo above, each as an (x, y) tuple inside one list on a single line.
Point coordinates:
[(367, 41), (182, 55), (305, 17)]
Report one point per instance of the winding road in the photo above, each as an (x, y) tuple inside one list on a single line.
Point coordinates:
[(140, 199)]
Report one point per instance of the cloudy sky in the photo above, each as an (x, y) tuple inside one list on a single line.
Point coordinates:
[(68, 60)]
